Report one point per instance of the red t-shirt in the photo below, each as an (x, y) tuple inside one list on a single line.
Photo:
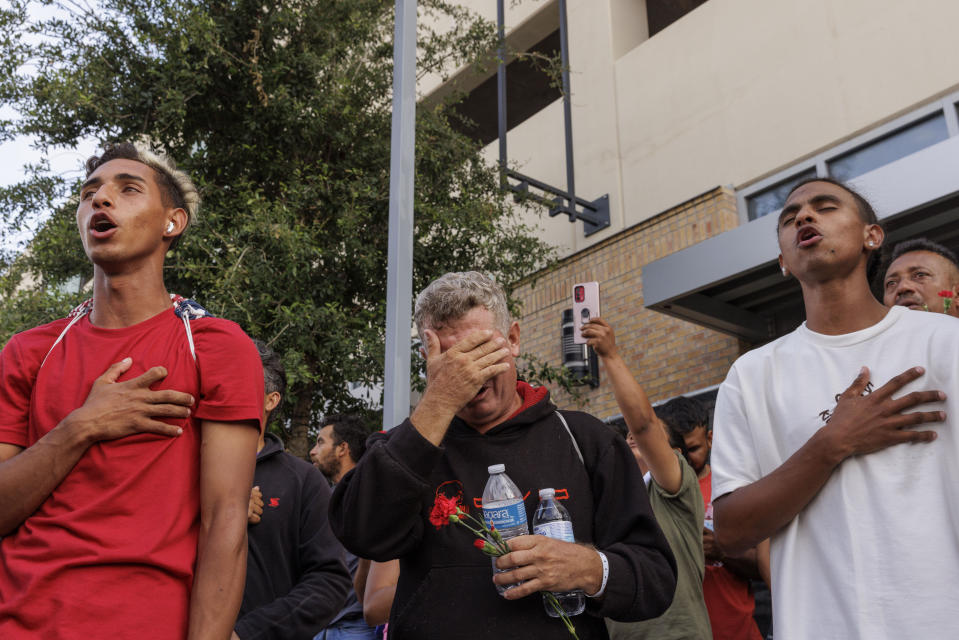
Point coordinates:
[(729, 601), (111, 552)]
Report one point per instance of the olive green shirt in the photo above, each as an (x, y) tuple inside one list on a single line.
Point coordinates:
[(680, 516)]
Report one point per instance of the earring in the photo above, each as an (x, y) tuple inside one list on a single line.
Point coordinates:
[(169, 227), (871, 244), (785, 273)]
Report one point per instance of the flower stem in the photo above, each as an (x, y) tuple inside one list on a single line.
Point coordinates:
[(558, 608), (492, 536)]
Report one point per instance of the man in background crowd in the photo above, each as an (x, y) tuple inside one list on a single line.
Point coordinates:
[(296, 581), (726, 588), (340, 444), (919, 271)]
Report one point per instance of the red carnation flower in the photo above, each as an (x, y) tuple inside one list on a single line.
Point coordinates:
[(443, 508), (479, 543), (946, 296)]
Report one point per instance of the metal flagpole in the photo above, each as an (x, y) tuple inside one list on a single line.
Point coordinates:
[(501, 90), (567, 106), (399, 275)]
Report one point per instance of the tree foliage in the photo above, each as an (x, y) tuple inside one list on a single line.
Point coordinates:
[(281, 113)]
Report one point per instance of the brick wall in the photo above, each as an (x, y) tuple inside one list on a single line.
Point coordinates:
[(668, 356)]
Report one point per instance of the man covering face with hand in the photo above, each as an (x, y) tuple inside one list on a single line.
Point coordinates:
[(475, 413)]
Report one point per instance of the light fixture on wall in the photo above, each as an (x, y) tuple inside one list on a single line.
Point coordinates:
[(580, 359)]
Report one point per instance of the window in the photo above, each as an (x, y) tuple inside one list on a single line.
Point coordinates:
[(909, 134), (901, 143), (772, 198)]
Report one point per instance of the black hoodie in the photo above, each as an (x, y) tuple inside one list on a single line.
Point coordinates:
[(380, 510), (296, 581)]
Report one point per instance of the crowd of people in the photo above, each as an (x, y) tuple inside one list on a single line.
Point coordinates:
[(143, 495)]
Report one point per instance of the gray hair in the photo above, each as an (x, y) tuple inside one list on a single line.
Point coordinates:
[(454, 294), (176, 186)]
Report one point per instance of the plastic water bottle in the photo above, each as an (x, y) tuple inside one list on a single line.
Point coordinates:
[(503, 509), (552, 520)]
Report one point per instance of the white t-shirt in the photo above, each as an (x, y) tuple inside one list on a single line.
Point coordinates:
[(876, 553)]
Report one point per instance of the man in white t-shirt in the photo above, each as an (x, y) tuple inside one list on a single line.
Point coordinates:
[(858, 485)]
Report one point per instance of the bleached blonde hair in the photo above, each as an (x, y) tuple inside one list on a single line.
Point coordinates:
[(176, 186)]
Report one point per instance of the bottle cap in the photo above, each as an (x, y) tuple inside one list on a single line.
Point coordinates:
[(547, 493), (496, 468)]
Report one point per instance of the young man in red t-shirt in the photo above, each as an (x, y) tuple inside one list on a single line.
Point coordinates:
[(729, 600), (128, 436)]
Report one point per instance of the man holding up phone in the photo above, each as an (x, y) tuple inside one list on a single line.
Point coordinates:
[(673, 493)]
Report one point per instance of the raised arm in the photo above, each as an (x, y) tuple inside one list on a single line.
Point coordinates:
[(112, 410), (859, 425), (227, 459), (646, 429)]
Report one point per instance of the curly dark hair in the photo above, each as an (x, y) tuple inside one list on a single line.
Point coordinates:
[(922, 244), (350, 428), (682, 415), (274, 374)]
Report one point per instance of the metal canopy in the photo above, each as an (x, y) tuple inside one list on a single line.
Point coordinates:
[(732, 283)]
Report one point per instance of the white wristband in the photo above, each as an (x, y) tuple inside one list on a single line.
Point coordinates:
[(602, 587)]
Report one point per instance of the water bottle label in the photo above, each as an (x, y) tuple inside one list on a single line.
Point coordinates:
[(506, 516), (558, 529)]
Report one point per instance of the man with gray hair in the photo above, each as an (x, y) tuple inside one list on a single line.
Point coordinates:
[(475, 413), (128, 434)]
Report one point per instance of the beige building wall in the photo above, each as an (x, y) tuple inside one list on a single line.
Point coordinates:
[(739, 89), (732, 92)]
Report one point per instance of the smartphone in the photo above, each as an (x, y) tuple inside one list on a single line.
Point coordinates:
[(585, 306)]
